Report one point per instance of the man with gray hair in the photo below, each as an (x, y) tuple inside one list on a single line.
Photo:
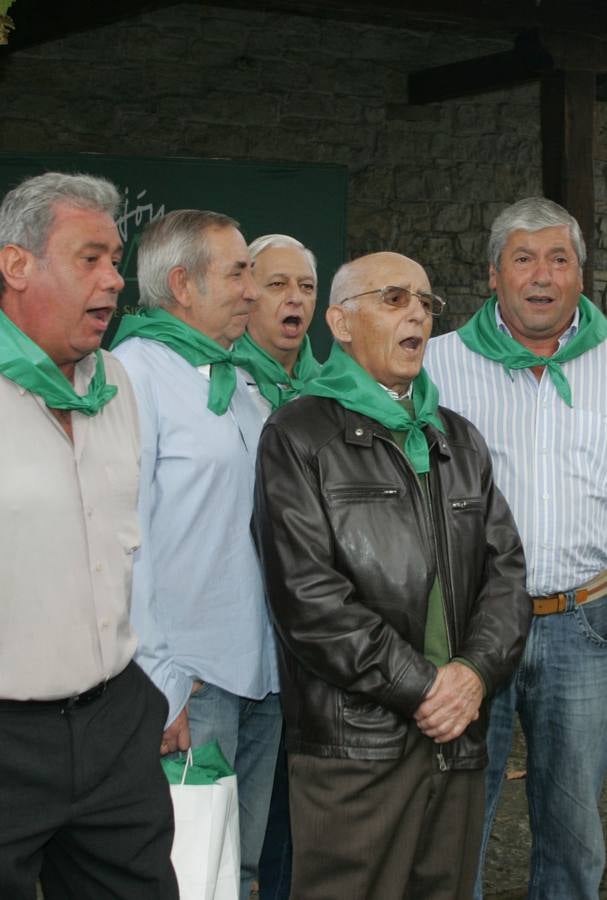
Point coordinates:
[(276, 356), (529, 369), (395, 575), (85, 804), (275, 350), (198, 598)]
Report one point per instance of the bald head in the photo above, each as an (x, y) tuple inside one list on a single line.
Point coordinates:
[(387, 339), (375, 270)]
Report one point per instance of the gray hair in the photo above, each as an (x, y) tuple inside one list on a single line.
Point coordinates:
[(533, 214), (279, 240), (340, 279), (177, 239), (27, 212)]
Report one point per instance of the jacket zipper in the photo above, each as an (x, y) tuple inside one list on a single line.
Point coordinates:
[(442, 765), (427, 521)]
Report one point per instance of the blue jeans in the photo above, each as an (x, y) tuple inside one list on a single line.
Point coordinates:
[(560, 693), (248, 732)]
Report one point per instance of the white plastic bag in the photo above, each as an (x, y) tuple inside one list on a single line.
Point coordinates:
[(206, 847)]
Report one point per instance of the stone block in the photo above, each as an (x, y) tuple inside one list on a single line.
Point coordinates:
[(410, 184), (452, 217), (373, 183)]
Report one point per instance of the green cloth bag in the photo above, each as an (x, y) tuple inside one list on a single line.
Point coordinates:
[(202, 765)]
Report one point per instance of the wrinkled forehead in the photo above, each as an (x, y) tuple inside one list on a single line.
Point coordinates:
[(380, 269), (289, 260), (551, 238)]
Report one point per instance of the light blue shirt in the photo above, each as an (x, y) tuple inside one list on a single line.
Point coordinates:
[(550, 460), (198, 600)]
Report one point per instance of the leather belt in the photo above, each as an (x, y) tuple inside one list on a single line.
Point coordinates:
[(69, 702), (557, 603)]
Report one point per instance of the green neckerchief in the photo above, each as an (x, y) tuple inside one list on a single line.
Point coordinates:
[(342, 379), (197, 348), (208, 766), (272, 379), (25, 363), (482, 335)]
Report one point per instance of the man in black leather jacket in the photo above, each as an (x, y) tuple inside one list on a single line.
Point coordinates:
[(395, 575)]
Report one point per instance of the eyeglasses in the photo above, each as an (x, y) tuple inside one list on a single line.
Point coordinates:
[(400, 298)]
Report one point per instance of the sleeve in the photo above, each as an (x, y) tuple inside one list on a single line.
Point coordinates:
[(153, 653), (319, 618), (497, 629)]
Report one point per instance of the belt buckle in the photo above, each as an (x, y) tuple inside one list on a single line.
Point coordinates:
[(86, 696)]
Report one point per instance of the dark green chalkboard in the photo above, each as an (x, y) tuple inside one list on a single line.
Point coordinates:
[(306, 201)]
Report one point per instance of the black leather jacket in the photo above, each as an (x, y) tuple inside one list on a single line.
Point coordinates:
[(350, 555)]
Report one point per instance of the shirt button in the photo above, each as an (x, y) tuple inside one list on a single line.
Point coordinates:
[(104, 623), (359, 432), (98, 567), (546, 497)]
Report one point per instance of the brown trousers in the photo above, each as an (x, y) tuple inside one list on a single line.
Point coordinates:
[(384, 829)]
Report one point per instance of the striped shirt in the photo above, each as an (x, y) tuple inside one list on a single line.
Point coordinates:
[(550, 460)]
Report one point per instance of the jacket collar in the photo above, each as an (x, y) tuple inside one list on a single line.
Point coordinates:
[(361, 430)]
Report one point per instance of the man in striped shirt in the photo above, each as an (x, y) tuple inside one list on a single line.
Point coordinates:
[(530, 369)]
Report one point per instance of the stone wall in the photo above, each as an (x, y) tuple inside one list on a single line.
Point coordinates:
[(424, 180)]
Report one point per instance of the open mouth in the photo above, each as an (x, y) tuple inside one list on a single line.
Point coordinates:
[(292, 325), (540, 300), (411, 344), (101, 315)]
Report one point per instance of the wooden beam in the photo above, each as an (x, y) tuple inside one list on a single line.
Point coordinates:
[(472, 76), (582, 16), (534, 52), (568, 127)]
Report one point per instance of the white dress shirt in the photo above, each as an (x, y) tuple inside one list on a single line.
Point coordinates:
[(68, 531), (550, 460)]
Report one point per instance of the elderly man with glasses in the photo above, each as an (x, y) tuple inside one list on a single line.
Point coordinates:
[(396, 578)]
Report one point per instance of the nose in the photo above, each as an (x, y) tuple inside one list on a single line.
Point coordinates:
[(416, 311), (112, 279), (251, 291), (542, 273), (295, 295)]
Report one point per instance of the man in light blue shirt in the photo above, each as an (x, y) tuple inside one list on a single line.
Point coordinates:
[(529, 370), (198, 599)]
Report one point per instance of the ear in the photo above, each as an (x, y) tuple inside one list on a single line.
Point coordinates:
[(492, 278), (337, 320), (15, 266), (179, 284)]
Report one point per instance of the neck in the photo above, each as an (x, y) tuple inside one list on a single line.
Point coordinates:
[(69, 370), (286, 358), (542, 345), (400, 388)]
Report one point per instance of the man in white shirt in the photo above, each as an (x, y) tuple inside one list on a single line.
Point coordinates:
[(85, 804), (529, 371), (198, 598)]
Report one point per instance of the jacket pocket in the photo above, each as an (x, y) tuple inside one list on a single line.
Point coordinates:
[(465, 504), (364, 493), (368, 722)]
